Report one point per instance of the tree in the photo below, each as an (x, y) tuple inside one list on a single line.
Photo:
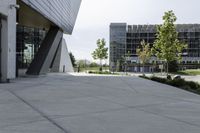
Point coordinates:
[(144, 53), (173, 66), (93, 64), (125, 60), (73, 60), (101, 52), (119, 66), (81, 63), (166, 46)]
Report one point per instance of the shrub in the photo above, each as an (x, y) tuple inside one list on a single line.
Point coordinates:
[(193, 85), (180, 83), (158, 79), (143, 76), (186, 87), (177, 82), (169, 77), (99, 72), (90, 72)]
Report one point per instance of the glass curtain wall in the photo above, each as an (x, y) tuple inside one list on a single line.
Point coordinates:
[(28, 42)]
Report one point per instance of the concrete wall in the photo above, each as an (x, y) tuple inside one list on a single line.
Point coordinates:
[(62, 62), (65, 60), (8, 39)]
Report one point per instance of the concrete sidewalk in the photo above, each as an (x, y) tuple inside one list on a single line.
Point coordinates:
[(96, 104), (192, 78)]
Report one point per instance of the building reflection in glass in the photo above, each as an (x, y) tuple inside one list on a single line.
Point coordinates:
[(28, 42)]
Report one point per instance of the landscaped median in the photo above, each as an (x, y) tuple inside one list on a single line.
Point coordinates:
[(177, 82), (102, 72)]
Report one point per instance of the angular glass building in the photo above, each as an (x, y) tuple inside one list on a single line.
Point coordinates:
[(126, 39), (31, 36)]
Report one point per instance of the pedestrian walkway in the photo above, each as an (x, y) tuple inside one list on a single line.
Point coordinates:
[(59, 103)]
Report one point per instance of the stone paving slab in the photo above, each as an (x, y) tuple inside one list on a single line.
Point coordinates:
[(125, 121), (59, 103), (14, 112), (32, 127)]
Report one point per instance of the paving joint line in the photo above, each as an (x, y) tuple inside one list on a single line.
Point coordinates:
[(170, 118), (40, 112), (130, 86)]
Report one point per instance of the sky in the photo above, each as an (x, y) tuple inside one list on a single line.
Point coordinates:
[(95, 17)]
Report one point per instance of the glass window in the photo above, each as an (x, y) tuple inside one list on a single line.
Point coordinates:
[(28, 42)]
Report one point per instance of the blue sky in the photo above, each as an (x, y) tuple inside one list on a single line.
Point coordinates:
[(95, 16)]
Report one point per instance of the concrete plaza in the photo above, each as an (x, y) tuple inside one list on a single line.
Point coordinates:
[(192, 78), (60, 103)]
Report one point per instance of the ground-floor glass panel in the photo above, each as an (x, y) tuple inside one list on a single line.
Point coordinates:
[(28, 42)]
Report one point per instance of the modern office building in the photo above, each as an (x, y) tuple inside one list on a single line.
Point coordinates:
[(31, 36), (126, 38)]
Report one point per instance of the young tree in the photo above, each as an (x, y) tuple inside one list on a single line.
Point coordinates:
[(120, 63), (125, 60), (73, 60), (118, 66), (101, 52), (93, 64), (144, 53), (81, 63), (167, 47)]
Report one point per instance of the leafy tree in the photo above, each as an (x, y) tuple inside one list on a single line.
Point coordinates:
[(125, 60), (101, 52), (173, 66), (93, 64), (144, 53), (167, 47), (81, 63), (119, 66), (73, 60)]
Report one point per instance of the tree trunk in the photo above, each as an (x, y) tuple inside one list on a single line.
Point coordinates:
[(167, 69), (100, 69), (143, 68)]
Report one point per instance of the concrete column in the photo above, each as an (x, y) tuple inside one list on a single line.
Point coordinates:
[(46, 53), (8, 39)]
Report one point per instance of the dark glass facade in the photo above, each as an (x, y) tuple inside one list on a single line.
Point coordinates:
[(28, 42), (190, 34), (117, 42), (132, 35)]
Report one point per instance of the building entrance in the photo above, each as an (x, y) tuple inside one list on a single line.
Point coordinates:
[(28, 43)]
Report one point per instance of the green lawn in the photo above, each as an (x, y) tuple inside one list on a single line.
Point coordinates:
[(192, 72)]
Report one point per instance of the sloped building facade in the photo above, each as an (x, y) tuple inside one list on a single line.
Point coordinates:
[(31, 35)]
